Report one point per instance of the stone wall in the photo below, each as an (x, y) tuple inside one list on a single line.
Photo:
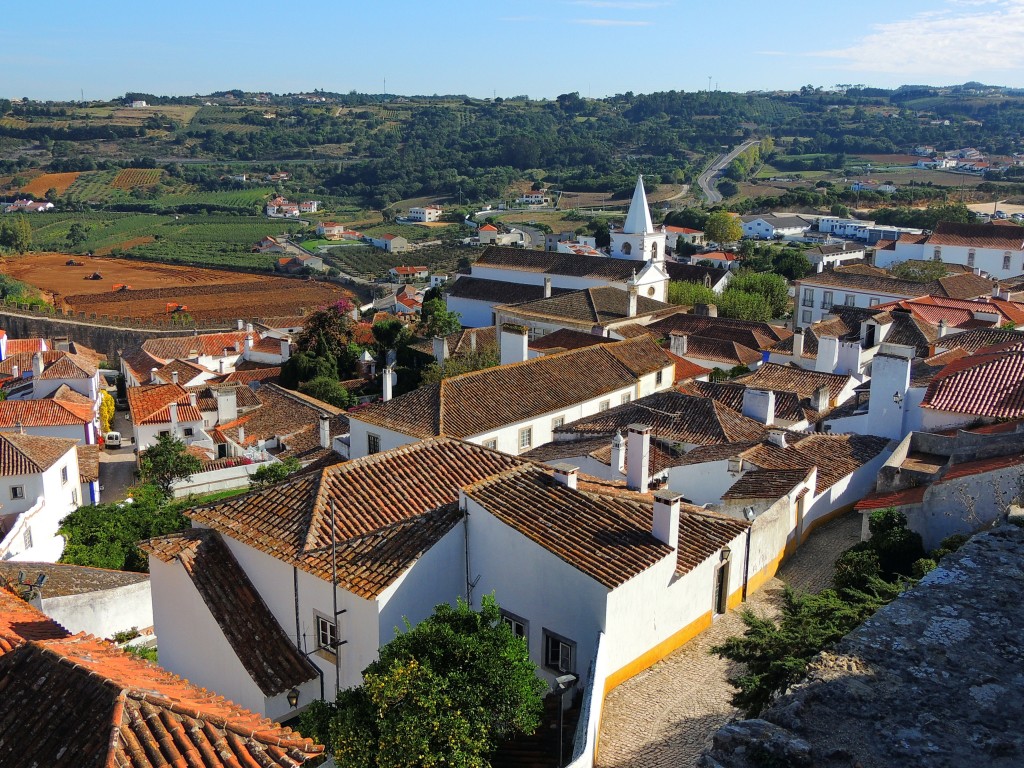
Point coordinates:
[(935, 679)]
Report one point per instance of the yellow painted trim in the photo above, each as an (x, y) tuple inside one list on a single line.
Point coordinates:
[(658, 652), (758, 580)]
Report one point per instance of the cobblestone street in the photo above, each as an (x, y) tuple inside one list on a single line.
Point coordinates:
[(665, 716)]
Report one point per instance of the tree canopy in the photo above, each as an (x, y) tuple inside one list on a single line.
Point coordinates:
[(723, 227), (441, 693), (166, 462)]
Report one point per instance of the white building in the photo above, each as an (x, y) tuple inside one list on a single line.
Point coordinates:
[(491, 407), (997, 249), (638, 240), (771, 227), (50, 418), (426, 213)]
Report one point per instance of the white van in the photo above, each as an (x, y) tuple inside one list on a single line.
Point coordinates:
[(112, 439)]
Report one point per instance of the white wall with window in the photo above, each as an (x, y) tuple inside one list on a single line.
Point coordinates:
[(816, 301), (32, 507), (998, 262)]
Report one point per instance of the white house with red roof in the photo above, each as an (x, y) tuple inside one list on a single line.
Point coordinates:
[(676, 235), (407, 274), (332, 230), (29, 206), (390, 243)]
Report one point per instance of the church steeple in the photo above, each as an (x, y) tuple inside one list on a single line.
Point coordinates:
[(638, 220)]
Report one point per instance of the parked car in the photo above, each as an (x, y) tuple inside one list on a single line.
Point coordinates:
[(112, 440)]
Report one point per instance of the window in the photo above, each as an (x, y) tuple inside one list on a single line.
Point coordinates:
[(74, 495), (808, 300), (326, 634), (27, 538), (520, 627), (188, 431), (626, 397), (872, 302), (805, 316), (63, 475), (721, 596), (559, 653), (735, 465), (657, 378), (525, 438), (165, 433), (850, 300), (17, 492), (604, 405), (558, 421), (492, 444), (826, 300), (626, 249), (372, 443), (654, 250), (1006, 259), (970, 258), (937, 254)]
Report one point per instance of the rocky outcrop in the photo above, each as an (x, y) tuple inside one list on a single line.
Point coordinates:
[(933, 680)]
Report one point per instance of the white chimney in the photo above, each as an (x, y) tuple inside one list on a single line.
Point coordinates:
[(566, 474), (220, 367), (37, 364), (241, 435), (819, 267), (286, 350), (193, 400), (440, 344), (248, 346), (777, 437), (942, 328), (472, 341), (759, 405), (388, 382), (547, 287), (639, 447), (618, 453), (828, 354), (241, 325), (665, 523), (248, 328), (515, 344), (798, 344), (820, 399), (679, 344), (174, 377), (14, 371), (152, 375), (173, 409), (633, 297), (227, 405), (325, 431)]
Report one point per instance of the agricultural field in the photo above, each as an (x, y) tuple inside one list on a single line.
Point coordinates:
[(370, 263), (40, 185), (209, 294), (130, 178), (411, 232)]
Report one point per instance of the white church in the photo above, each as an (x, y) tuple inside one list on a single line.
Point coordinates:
[(636, 258)]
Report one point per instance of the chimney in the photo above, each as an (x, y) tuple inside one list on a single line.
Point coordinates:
[(227, 404), (679, 344), (241, 325), (819, 267), (547, 287), (665, 525), (193, 400), (241, 435), (820, 398), (472, 341), (173, 409), (705, 310), (388, 382), (798, 344), (174, 377), (14, 371), (37, 364), (777, 437), (619, 453), (828, 354), (633, 300), (221, 367), (566, 474), (248, 346), (440, 344), (152, 375), (248, 328), (62, 344), (759, 405), (515, 345), (325, 431), (942, 328), (639, 447), (286, 350)]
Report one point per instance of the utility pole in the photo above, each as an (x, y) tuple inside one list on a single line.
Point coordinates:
[(709, 83)]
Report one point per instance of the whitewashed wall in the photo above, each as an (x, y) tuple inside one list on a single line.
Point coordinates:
[(105, 612)]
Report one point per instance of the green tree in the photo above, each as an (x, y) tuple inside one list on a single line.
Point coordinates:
[(16, 233), (166, 462), (77, 235), (329, 390), (106, 411), (444, 692), (271, 474), (773, 288), (723, 227), (484, 357), (390, 334), (688, 294), (919, 271), (438, 321)]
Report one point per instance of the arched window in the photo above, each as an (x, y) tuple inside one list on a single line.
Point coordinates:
[(1006, 259), (654, 250), (937, 255), (627, 249)]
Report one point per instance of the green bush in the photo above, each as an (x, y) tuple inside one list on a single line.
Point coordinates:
[(922, 566), (856, 567)]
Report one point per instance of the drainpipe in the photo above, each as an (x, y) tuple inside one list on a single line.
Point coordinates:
[(746, 563)]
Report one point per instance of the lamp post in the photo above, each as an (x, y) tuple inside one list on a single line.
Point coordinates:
[(563, 683), (293, 698)]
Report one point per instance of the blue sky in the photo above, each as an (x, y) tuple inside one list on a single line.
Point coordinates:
[(536, 47)]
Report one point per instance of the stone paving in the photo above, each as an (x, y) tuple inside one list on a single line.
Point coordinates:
[(666, 715)]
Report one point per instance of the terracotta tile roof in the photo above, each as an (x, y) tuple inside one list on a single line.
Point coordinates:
[(753, 334), (549, 262), (913, 495), (30, 454), (246, 397), (978, 338), (695, 273), (141, 363), (43, 413), (63, 580), (388, 508), (95, 706), (605, 537), (560, 450), (842, 327), (687, 371), (565, 338), (212, 344), (151, 404), (766, 484), (497, 291), (19, 621), (729, 353), (987, 383), (68, 395), (980, 466), (25, 346), (186, 371), (788, 405), (604, 305), (978, 236), (966, 285), (69, 367), (23, 360), (462, 342), (472, 403), (673, 416), (260, 643), (88, 463), (789, 379)]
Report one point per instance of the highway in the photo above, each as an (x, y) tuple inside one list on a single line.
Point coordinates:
[(706, 180)]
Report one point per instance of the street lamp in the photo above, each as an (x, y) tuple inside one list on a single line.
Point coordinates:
[(293, 698), (563, 683)]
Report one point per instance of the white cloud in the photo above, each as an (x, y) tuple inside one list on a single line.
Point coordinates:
[(961, 39), (611, 23)]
